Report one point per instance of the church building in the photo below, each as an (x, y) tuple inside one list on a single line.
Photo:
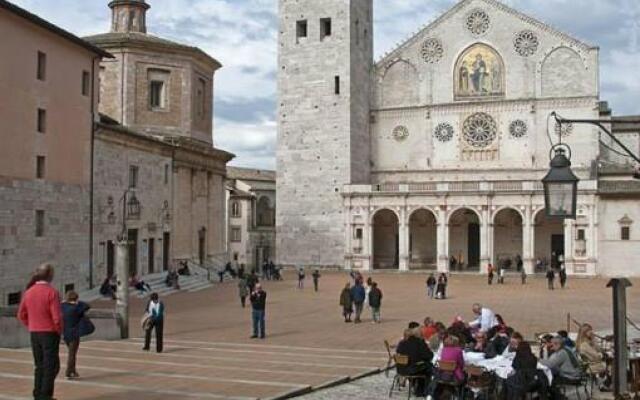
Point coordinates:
[(431, 158)]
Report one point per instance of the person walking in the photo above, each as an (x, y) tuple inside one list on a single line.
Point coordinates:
[(301, 278), (259, 304), (316, 279), (252, 280), (431, 286), (551, 276), (519, 262), (243, 291), (441, 287), (40, 312), (523, 276), (73, 315), (375, 302), (501, 275), (346, 302), (358, 296), (490, 274), (562, 274), (154, 321)]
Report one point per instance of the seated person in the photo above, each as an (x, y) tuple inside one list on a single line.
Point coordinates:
[(461, 330), (546, 348), (108, 288), (480, 345), (139, 284), (514, 342), (428, 329), (525, 378), (498, 344), (172, 279), (184, 269), (568, 343), (436, 340), (592, 353), (420, 357), (451, 352), (563, 362)]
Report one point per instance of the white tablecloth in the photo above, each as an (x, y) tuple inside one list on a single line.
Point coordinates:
[(500, 365)]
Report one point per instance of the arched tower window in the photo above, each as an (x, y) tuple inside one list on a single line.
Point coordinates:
[(479, 73)]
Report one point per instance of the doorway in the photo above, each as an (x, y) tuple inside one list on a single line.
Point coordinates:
[(202, 239), (166, 245), (151, 255), (110, 258), (474, 246), (557, 250)]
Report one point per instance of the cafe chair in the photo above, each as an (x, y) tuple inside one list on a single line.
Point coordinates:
[(585, 382), (402, 362), (444, 378), (390, 361), (479, 380)]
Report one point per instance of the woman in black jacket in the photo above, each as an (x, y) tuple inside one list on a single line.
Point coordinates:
[(526, 377)]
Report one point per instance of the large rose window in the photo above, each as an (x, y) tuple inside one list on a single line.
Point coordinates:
[(479, 130)]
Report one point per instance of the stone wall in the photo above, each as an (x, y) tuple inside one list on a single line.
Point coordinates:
[(619, 257)]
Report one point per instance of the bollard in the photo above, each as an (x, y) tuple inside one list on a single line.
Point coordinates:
[(621, 362), (122, 299)]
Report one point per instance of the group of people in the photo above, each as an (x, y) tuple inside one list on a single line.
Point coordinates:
[(315, 276), (437, 288), (432, 344), (355, 297)]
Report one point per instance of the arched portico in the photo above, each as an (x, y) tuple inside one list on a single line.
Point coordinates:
[(386, 248), (423, 240), (464, 240), (549, 239), (508, 238)]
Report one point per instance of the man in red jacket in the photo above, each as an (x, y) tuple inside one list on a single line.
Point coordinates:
[(40, 312)]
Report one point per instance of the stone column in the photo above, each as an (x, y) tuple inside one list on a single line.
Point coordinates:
[(527, 240), (122, 296), (568, 246), (443, 237), (367, 241), (403, 232), (486, 242), (348, 235)]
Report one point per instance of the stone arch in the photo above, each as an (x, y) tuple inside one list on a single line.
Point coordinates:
[(399, 84), (502, 208), (423, 239), (563, 73), (385, 239), (479, 72), (508, 243), (428, 209), (548, 240), (464, 239)]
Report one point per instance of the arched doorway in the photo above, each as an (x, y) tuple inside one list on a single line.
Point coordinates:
[(423, 240), (549, 241), (507, 239), (385, 240), (464, 240)]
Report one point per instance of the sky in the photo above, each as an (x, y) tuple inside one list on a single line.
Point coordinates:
[(242, 35)]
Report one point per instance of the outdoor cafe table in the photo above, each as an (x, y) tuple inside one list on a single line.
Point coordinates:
[(499, 365)]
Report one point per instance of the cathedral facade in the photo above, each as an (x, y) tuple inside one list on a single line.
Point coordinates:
[(432, 157)]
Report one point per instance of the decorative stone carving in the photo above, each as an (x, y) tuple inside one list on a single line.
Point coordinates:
[(478, 22), (518, 129), (400, 133), (432, 50), (564, 130), (443, 132), (526, 43), (479, 130)]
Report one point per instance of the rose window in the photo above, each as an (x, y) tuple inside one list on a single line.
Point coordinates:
[(432, 51), (400, 133), (444, 132), (478, 22), (480, 130), (518, 129), (526, 43)]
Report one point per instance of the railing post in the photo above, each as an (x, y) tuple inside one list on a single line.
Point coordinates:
[(621, 363), (122, 296)]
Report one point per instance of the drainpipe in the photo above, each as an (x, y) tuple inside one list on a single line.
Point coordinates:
[(91, 182)]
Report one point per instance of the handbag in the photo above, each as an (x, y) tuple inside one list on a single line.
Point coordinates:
[(86, 327), (145, 322)]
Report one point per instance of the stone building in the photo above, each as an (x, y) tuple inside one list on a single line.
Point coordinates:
[(431, 157), (156, 144), (48, 90), (251, 212)]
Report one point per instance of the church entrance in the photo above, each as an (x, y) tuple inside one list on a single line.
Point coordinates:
[(549, 241), (423, 242), (464, 241), (507, 239), (385, 240)]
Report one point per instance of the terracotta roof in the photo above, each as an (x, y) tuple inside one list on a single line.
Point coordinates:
[(123, 39), (21, 12), (250, 174)]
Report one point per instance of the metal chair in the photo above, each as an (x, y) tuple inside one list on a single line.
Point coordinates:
[(401, 362), (444, 377), (390, 361), (584, 382)]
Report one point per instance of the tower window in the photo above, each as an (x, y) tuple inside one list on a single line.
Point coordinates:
[(336, 84), (86, 82), (235, 209), (325, 28), (42, 66), (625, 233), (42, 120), (156, 94), (166, 174), (133, 176), (39, 223), (357, 32), (301, 29), (201, 97), (40, 167)]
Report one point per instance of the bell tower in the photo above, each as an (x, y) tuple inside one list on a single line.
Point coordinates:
[(129, 16)]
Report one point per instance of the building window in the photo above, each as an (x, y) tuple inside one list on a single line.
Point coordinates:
[(166, 174), (581, 234), (236, 235), (336, 84), (235, 209), (156, 94), (265, 212), (40, 167), (235, 256), (39, 223), (625, 233), (301, 29), (359, 233), (201, 98), (357, 32), (42, 66), (86, 83), (69, 287), (325, 28), (13, 299), (133, 176), (42, 120)]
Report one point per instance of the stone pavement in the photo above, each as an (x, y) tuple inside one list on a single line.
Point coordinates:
[(209, 354)]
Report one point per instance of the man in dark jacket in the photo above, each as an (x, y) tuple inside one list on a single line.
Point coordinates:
[(358, 295), (375, 302), (420, 358), (259, 304)]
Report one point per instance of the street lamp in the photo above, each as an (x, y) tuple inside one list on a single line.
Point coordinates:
[(560, 186)]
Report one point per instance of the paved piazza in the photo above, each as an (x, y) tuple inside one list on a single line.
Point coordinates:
[(209, 354)]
